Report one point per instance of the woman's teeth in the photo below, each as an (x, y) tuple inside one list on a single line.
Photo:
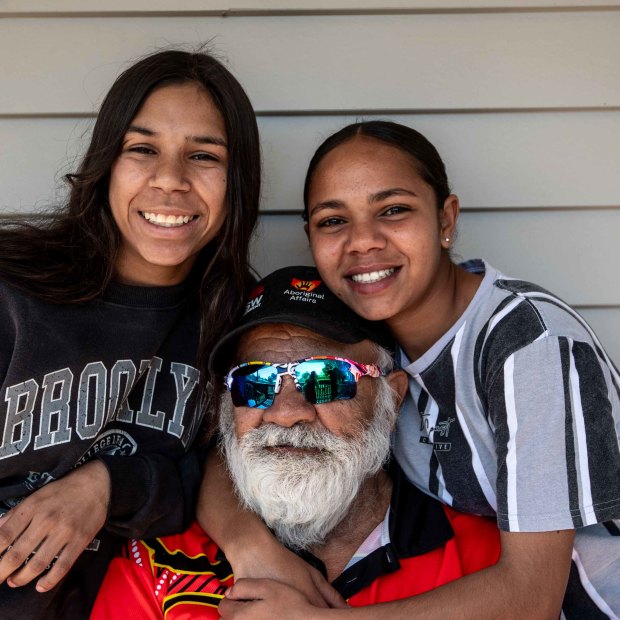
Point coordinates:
[(167, 220), (372, 276)]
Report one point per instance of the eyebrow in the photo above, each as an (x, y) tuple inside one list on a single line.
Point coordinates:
[(199, 139), (392, 191), (328, 204), (376, 197)]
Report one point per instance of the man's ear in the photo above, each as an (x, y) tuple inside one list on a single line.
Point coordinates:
[(306, 230), (398, 382)]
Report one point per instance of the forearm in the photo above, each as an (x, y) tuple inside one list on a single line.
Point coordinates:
[(222, 516), (528, 582), (487, 594)]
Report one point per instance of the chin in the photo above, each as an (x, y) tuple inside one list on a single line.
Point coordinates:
[(372, 311)]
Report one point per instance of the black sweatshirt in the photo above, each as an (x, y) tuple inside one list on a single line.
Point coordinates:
[(114, 380)]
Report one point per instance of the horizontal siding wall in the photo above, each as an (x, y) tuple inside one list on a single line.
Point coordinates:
[(522, 98), (271, 7), (324, 63)]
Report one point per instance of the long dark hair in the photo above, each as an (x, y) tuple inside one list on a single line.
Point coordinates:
[(69, 258), (424, 155)]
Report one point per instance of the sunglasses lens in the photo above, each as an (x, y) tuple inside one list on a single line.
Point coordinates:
[(254, 385), (323, 381)]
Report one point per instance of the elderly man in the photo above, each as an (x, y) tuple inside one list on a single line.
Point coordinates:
[(305, 427)]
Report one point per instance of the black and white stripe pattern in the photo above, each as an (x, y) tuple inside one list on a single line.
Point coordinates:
[(516, 412)]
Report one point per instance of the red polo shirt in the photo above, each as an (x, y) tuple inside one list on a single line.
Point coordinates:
[(186, 576)]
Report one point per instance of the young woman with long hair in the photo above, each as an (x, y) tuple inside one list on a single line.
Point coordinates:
[(513, 408), (109, 307)]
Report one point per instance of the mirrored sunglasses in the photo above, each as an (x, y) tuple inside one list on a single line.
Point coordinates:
[(320, 379)]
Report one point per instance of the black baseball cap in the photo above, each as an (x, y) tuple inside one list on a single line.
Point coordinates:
[(298, 296)]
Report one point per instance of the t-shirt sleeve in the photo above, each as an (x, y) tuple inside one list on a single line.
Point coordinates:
[(558, 461)]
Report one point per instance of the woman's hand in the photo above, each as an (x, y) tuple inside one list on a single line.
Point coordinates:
[(259, 599), (53, 526), (270, 561)]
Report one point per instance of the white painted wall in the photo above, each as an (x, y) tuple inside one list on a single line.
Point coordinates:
[(522, 99)]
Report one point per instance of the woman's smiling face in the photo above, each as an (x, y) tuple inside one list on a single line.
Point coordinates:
[(375, 230), (167, 188)]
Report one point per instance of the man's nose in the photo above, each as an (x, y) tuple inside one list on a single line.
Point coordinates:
[(289, 406)]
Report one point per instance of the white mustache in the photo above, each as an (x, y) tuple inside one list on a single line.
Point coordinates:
[(299, 436)]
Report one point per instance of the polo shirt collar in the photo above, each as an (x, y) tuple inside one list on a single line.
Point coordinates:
[(417, 524)]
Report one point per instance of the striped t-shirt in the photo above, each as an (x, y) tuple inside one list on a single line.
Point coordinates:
[(515, 411)]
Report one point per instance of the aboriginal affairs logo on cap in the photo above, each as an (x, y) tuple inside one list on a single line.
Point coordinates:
[(298, 296), (305, 285)]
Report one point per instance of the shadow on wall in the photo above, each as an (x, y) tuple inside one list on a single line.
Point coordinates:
[(280, 241)]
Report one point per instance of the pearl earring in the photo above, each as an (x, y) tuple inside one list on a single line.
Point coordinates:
[(447, 239)]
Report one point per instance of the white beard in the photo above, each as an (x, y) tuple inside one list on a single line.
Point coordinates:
[(302, 497)]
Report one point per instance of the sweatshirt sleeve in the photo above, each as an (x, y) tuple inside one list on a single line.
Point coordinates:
[(151, 494)]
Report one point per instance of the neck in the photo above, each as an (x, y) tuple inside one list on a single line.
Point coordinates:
[(417, 328), (366, 512)]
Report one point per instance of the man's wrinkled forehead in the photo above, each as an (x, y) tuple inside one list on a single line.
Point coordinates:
[(282, 342)]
